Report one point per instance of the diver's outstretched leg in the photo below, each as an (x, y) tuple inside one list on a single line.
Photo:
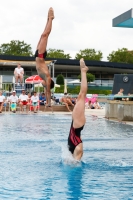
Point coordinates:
[(42, 44)]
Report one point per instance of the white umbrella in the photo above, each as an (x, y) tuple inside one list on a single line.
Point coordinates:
[(56, 85), (38, 85), (75, 81)]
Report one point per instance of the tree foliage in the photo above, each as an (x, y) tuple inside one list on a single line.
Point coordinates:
[(90, 77), (121, 55), (17, 48), (57, 53), (60, 79), (89, 54)]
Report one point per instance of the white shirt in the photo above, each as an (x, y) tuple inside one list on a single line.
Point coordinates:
[(2, 98), (23, 97), (13, 98), (18, 70), (34, 98)]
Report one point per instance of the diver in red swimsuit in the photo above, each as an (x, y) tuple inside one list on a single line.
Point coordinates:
[(40, 56), (75, 144)]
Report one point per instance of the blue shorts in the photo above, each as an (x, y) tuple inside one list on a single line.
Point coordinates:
[(13, 106)]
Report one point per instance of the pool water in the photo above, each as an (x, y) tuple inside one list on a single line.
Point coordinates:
[(36, 165)]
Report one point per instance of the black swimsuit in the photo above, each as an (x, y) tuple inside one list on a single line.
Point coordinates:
[(74, 137)]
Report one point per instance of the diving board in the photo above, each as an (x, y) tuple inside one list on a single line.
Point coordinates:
[(124, 20)]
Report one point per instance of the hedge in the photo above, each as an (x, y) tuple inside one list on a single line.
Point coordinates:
[(76, 90)]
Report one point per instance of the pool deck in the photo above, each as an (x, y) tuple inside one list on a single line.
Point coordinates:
[(96, 113), (100, 113)]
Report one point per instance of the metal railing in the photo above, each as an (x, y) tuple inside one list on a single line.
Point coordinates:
[(8, 87)]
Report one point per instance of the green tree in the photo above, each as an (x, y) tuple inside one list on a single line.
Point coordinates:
[(57, 53), (90, 77), (60, 79), (89, 54), (17, 48), (121, 55)]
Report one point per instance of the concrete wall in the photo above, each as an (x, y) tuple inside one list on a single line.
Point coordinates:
[(119, 110)]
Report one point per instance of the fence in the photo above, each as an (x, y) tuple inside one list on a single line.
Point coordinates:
[(8, 87)]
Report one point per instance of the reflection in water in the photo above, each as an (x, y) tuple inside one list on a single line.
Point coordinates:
[(74, 181)]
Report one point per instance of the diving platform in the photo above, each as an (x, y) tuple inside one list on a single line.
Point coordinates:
[(125, 20)]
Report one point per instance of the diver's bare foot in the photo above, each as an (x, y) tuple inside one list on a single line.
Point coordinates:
[(51, 13), (48, 105), (83, 67)]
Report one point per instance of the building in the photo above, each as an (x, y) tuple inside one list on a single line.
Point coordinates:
[(69, 68)]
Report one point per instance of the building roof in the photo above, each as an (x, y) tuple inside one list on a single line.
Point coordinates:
[(26, 60), (14, 60)]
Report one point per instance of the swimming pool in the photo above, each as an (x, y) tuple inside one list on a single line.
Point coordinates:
[(35, 163)]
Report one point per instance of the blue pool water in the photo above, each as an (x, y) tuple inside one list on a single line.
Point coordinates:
[(35, 163)]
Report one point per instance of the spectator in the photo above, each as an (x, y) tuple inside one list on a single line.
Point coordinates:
[(96, 105), (94, 98), (89, 104), (56, 100), (13, 99), (35, 101), (65, 94), (121, 92), (42, 99), (73, 100), (67, 103), (127, 98), (91, 101), (2, 100), (23, 99), (19, 72)]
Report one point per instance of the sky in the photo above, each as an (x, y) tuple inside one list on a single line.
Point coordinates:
[(77, 25)]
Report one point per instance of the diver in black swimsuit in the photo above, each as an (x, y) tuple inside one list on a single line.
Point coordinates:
[(75, 144)]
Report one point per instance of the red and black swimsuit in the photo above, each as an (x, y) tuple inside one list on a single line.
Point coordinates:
[(40, 55), (74, 137), (43, 55)]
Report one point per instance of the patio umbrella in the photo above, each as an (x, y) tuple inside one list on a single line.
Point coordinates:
[(34, 79), (75, 81), (38, 85), (56, 85)]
